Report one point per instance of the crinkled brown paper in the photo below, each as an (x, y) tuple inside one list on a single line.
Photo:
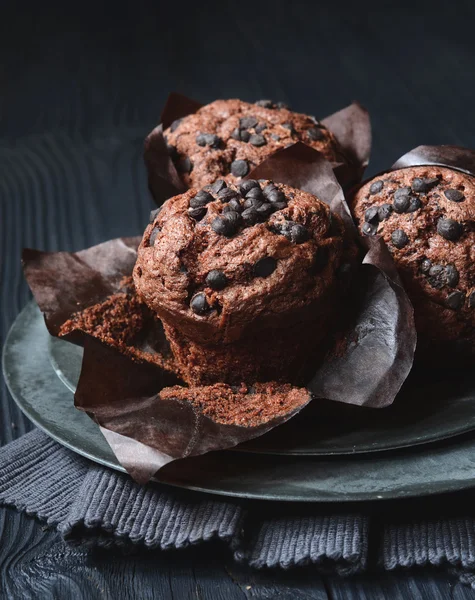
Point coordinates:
[(351, 127), (371, 358)]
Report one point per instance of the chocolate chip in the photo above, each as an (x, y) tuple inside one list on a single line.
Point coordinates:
[(290, 127), (236, 134), (185, 165), (414, 204), (202, 198), (153, 236), (399, 238), (265, 103), (454, 195), (437, 277), (257, 140), (276, 196), (371, 214), (252, 202), (233, 206), (218, 185), (315, 134), (281, 105), (260, 128), (245, 136), (422, 185), (250, 216), (216, 280), (153, 214), (369, 229), (298, 233), (247, 122), (199, 305), (376, 187), (449, 229), (455, 300), (208, 139), (197, 213), (279, 205), (265, 267), (452, 276), (402, 200), (227, 194), (425, 266), (225, 225), (471, 300), (264, 210), (175, 124), (248, 185), (239, 168), (269, 188), (384, 211), (255, 193), (241, 135), (275, 137)]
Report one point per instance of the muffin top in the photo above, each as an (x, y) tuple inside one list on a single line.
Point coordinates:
[(227, 138), (228, 257), (426, 215)]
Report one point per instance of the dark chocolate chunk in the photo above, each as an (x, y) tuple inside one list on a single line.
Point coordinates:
[(455, 300), (218, 185), (260, 128), (252, 202), (414, 204), (454, 195), (197, 213), (422, 185), (402, 200), (279, 205), (298, 233), (275, 137), (276, 196), (425, 266), (199, 305), (202, 198), (315, 134), (376, 187), (175, 124), (369, 229), (153, 214), (452, 276), (290, 127), (384, 211), (449, 229), (437, 277), (247, 122), (216, 280), (225, 225), (236, 134), (239, 168), (250, 216), (471, 300), (153, 236), (227, 194), (269, 188), (255, 193), (371, 214), (265, 267), (245, 136), (257, 140), (247, 185), (185, 165), (233, 206), (208, 139), (399, 238), (265, 103), (264, 210)]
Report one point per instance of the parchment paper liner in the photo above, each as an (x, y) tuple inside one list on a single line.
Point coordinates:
[(368, 363), (351, 127)]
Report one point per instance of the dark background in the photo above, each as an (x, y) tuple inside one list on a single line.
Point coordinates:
[(81, 85)]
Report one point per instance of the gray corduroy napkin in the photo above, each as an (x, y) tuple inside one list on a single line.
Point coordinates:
[(94, 505)]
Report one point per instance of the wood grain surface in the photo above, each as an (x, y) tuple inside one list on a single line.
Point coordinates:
[(81, 85)]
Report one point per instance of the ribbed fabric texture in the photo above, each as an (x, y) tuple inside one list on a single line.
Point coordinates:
[(93, 505)]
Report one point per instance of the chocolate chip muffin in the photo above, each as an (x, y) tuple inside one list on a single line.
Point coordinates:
[(426, 215), (227, 138), (245, 279)]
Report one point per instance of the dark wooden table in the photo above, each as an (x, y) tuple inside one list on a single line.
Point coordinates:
[(79, 89)]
